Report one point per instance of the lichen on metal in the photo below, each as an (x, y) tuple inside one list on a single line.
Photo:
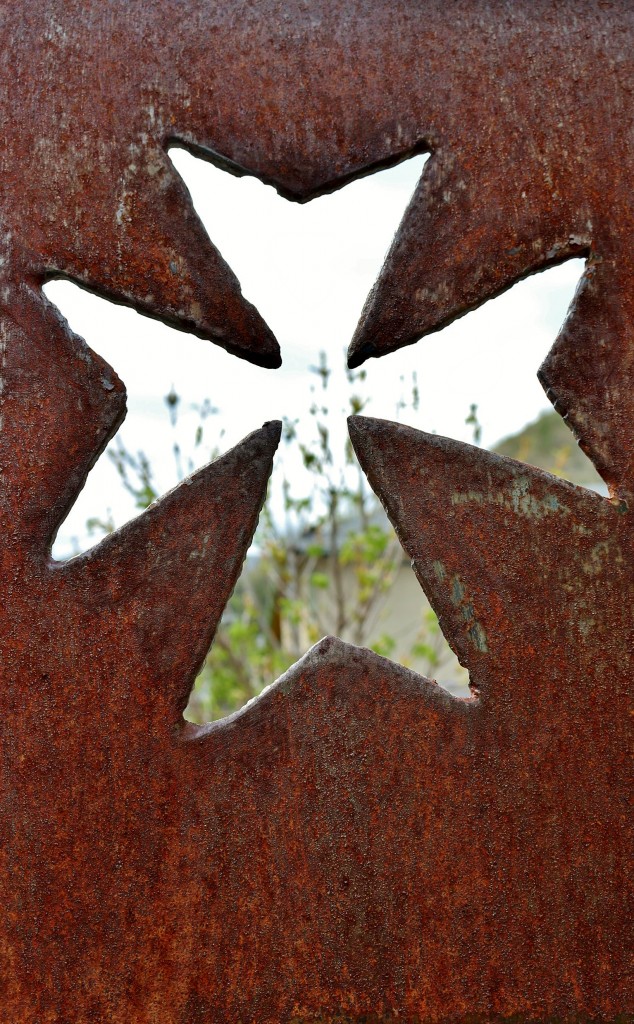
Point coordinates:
[(356, 845)]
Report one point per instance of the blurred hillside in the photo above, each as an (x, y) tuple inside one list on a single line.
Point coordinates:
[(549, 444)]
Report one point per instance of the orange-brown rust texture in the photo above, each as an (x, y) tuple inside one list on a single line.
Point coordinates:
[(356, 845)]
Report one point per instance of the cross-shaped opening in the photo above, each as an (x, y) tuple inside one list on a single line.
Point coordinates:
[(325, 558)]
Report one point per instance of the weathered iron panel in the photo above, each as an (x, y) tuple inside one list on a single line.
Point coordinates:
[(356, 845)]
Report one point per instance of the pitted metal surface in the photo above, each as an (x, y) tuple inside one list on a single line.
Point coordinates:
[(356, 845)]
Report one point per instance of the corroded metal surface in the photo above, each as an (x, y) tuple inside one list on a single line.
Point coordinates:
[(356, 845)]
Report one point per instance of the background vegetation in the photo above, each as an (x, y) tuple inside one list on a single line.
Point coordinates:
[(325, 558)]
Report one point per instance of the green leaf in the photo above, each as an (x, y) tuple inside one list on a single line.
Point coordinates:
[(320, 580)]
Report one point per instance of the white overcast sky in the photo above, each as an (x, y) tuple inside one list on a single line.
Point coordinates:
[(308, 269)]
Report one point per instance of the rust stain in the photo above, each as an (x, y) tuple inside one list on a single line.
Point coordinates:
[(356, 845)]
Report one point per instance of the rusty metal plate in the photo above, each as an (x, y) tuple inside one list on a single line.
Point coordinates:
[(356, 845)]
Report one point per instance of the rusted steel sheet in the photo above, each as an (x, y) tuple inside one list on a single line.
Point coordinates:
[(356, 845)]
